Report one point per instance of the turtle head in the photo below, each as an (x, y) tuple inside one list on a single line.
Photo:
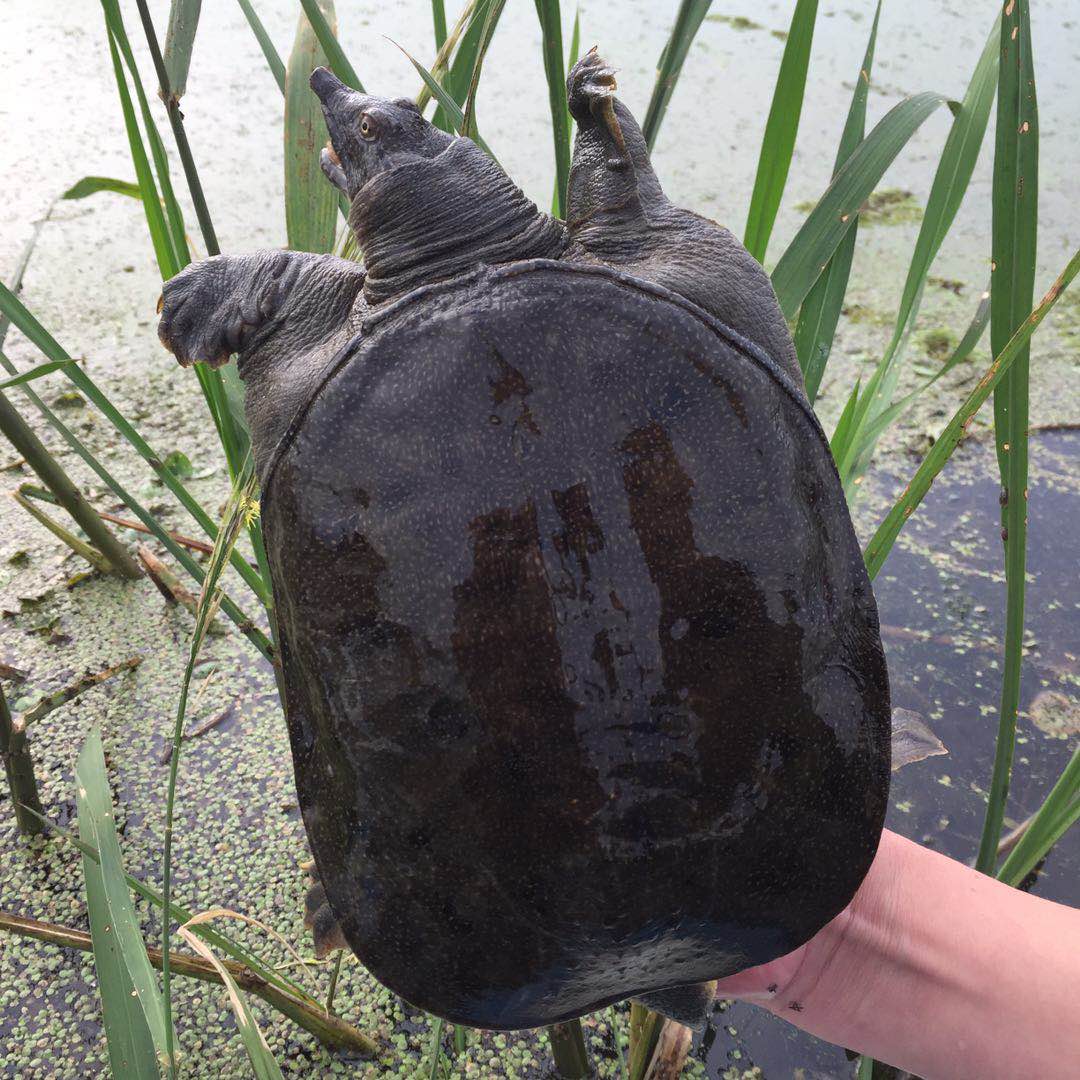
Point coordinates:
[(370, 135)]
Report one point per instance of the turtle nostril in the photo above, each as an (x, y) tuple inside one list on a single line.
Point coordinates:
[(324, 82)]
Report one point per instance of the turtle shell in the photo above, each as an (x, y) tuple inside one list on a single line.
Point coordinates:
[(584, 684)]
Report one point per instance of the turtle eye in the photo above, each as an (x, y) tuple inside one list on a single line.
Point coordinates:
[(367, 127)]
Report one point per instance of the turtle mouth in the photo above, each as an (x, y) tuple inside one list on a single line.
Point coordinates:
[(332, 168)]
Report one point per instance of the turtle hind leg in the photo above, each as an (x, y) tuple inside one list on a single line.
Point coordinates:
[(590, 92), (319, 919)]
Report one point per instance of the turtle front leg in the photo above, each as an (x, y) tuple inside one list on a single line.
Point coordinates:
[(216, 307)]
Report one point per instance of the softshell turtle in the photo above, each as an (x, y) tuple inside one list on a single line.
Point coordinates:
[(584, 684)]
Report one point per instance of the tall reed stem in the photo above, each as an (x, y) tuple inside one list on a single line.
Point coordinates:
[(52, 475), (19, 767), (568, 1050)]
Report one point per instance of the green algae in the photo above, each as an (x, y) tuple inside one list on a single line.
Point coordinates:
[(890, 206)]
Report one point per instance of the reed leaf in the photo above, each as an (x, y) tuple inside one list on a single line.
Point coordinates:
[(1012, 283), (179, 42), (446, 102), (491, 20), (34, 373), (1058, 813), (273, 58), (241, 508), (91, 185), (135, 1020), (819, 236), (688, 21), (550, 16), (258, 1052), (320, 14), (107, 552), (882, 541), (438, 18), (310, 202), (459, 71), (232, 430), (782, 126), (846, 421), (951, 179), (174, 216), (442, 61), (971, 337), (160, 237), (820, 311), (266, 972), (435, 1048)]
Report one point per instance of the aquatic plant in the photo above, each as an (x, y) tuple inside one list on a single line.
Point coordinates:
[(811, 279)]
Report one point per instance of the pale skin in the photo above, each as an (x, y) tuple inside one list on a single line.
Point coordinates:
[(936, 969)]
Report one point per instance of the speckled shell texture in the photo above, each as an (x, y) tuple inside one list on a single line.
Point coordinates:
[(585, 688)]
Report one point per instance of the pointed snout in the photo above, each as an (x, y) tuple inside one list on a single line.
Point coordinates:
[(325, 83)]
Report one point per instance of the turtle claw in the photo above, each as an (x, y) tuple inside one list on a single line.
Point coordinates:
[(590, 90)]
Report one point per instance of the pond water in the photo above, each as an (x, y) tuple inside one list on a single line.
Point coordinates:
[(93, 282)]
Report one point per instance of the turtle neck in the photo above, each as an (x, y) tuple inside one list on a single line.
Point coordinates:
[(436, 217)]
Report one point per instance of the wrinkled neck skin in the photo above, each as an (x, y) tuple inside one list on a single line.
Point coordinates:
[(614, 197), (434, 218), (321, 309)]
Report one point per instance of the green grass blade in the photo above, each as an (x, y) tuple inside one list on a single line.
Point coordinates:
[(438, 18), (310, 202), (233, 436), (968, 342), (179, 41), (844, 424), (320, 14), (446, 102), (181, 914), (459, 71), (35, 373), (491, 20), (820, 311), (262, 1060), (160, 237), (781, 128), (688, 21), (14, 309), (1012, 283), (240, 510), (114, 910), (244, 622), (882, 541), (1058, 813), (957, 162), (131, 1049), (435, 1048), (550, 16), (561, 188), (820, 235), (91, 185), (443, 59), (273, 58), (173, 213)]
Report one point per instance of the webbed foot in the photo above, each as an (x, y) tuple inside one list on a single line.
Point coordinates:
[(590, 92), (319, 919), (211, 308)]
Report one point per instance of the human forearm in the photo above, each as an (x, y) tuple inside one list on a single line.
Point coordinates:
[(938, 970)]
